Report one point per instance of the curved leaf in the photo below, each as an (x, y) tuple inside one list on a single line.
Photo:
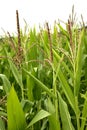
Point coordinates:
[(44, 87), (65, 116), (16, 118), (40, 115), (2, 125), (6, 83)]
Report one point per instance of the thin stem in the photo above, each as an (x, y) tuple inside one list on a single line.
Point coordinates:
[(50, 42)]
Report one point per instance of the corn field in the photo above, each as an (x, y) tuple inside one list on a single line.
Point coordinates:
[(43, 78)]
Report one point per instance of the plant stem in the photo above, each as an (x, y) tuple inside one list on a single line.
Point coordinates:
[(77, 113), (56, 100)]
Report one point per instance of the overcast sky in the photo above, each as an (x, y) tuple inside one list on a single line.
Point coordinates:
[(36, 12)]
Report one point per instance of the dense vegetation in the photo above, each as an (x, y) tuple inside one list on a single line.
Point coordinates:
[(43, 78)]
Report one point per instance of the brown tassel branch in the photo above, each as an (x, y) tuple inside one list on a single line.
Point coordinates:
[(50, 42), (18, 28)]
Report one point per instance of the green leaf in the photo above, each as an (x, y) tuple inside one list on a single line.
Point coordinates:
[(6, 83), (16, 118), (62, 31), (53, 123), (2, 113), (67, 90), (58, 58), (15, 71), (2, 125), (40, 115), (84, 113), (43, 87), (65, 116), (26, 105), (79, 60), (17, 75)]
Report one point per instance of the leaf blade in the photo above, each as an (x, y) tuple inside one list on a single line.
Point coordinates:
[(40, 115), (15, 112), (40, 84), (65, 116), (6, 83)]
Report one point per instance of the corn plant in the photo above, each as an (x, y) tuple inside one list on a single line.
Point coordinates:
[(43, 78)]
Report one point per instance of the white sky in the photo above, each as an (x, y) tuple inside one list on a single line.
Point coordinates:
[(38, 11)]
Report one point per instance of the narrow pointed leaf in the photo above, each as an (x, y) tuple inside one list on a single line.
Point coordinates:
[(40, 115), (6, 83), (43, 87), (2, 125), (67, 90), (15, 71), (84, 113), (79, 63), (65, 116), (53, 123), (58, 58), (16, 118), (64, 32)]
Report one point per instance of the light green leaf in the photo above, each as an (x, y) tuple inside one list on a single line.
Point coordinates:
[(62, 31), (40, 115), (2, 113), (2, 125), (58, 58), (84, 113), (65, 116), (15, 71), (6, 83), (40, 84), (16, 118), (53, 123), (79, 60), (67, 90), (17, 75)]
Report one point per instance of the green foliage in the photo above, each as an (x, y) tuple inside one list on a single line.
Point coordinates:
[(6, 83), (64, 113), (84, 112), (40, 84), (2, 125), (40, 115), (49, 74), (16, 73), (79, 63), (16, 118)]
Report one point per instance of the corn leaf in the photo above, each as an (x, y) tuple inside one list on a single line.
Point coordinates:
[(40, 115), (43, 87), (84, 113), (79, 64), (67, 90), (6, 83), (65, 116), (15, 71), (58, 58), (62, 31), (53, 123), (2, 113), (16, 118), (2, 125)]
